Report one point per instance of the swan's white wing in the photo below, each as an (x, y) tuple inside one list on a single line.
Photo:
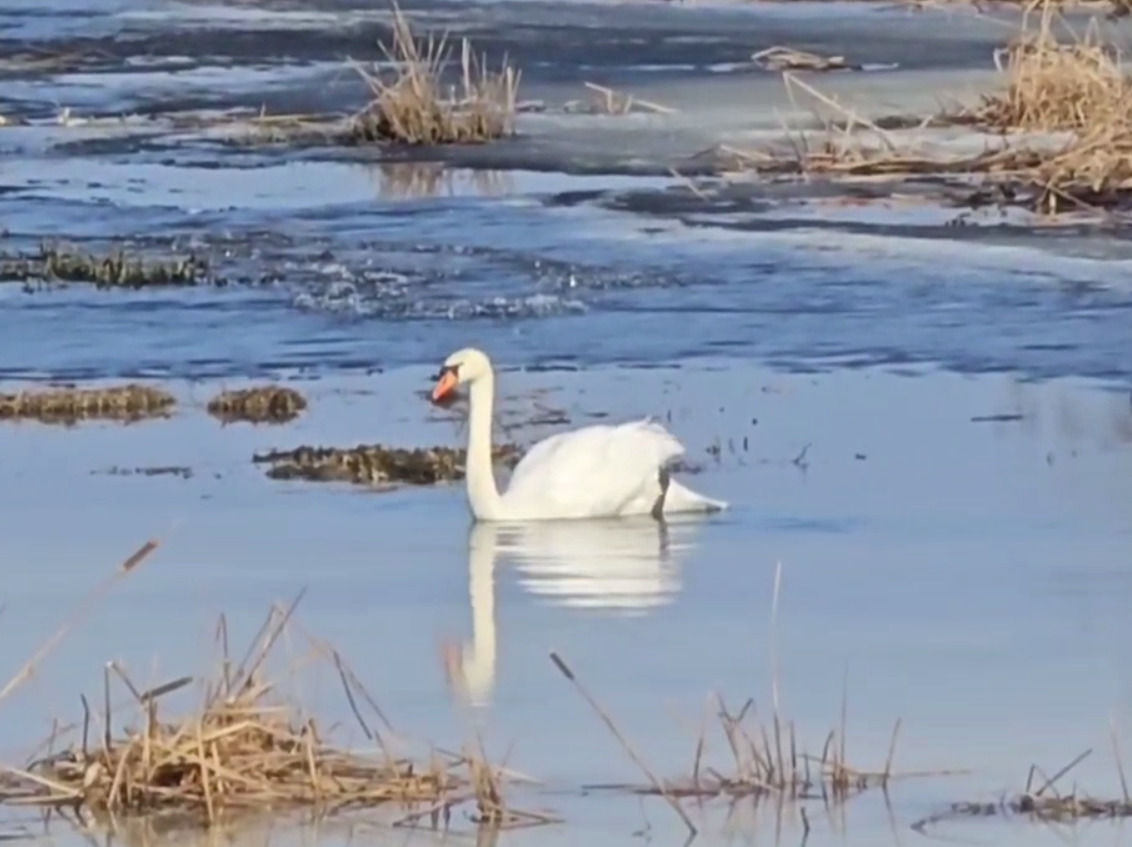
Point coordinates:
[(595, 470)]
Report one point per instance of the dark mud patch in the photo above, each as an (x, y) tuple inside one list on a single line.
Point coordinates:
[(375, 464), (115, 269), (265, 404), (69, 405)]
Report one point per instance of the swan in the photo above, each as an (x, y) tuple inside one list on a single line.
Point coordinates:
[(595, 471)]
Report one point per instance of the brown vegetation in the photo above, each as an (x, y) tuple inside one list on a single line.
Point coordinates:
[(249, 749), (265, 404), (375, 464), (113, 270), (411, 107), (70, 405), (1072, 95)]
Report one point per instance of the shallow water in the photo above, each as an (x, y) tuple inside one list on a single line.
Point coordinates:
[(829, 358), (968, 575)]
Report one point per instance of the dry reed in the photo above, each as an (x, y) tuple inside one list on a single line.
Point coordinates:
[(1051, 86), (1055, 85), (768, 759), (248, 749), (411, 106)]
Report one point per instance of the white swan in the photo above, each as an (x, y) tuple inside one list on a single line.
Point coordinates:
[(595, 471)]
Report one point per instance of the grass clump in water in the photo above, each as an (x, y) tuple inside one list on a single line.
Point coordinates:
[(114, 270), (375, 464), (70, 405), (265, 404), (249, 749), (411, 107)]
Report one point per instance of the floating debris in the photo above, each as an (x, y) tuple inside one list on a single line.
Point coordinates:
[(788, 59), (375, 464), (266, 404), (68, 405), (114, 270)]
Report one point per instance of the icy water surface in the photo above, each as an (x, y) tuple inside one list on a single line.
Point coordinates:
[(926, 425)]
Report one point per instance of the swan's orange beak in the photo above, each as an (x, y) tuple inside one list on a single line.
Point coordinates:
[(444, 385)]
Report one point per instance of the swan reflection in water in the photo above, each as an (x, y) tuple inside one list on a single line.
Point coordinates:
[(626, 566)]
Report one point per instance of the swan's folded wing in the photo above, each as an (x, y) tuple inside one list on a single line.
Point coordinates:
[(593, 470)]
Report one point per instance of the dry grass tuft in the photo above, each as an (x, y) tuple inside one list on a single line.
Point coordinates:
[(1053, 85), (1074, 97), (266, 404), (248, 749), (70, 405), (412, 106)]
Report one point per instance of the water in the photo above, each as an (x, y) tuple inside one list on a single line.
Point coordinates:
[(829, 361)]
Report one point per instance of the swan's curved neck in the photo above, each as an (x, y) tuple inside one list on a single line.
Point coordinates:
[(483, 496)]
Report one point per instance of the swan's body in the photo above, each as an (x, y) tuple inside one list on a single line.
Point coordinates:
[(595, 471)]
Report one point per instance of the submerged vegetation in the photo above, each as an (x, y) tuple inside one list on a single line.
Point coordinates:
[(375, 464), (265, 404), (70, 405), (411, 106)]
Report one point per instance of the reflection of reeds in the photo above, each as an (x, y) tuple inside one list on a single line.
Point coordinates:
[(412, 107), (422, 180)]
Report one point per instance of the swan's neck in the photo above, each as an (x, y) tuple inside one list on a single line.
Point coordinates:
[(483, 496)]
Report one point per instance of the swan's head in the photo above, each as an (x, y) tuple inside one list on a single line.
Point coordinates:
[(461, 368)]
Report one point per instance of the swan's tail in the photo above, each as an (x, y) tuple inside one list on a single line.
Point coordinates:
[(681, 499)]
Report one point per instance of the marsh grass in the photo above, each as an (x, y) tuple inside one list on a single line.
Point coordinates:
[(414, 104), (247, 748), (1062, 127), (1056, 84), (263, 404), (116, 269), (376, 464), (68, 406)]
